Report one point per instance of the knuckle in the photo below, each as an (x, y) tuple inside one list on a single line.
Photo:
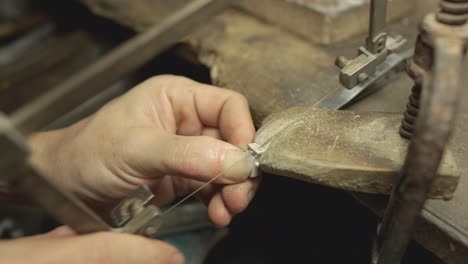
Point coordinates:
[(162, 77), (154, 80), (238, 97), (171, 78), (160, 81), (235, 199), (198, 155), (185, 157)]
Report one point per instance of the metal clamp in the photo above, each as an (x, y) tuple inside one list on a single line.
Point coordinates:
[(135, 215), (378, 46)]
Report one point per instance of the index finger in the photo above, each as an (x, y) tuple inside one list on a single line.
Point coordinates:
[(227, 110), (223, 109)]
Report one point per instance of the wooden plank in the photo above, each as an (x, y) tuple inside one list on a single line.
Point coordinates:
[(353, 151)]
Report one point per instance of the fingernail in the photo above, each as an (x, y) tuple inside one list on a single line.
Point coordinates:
[(177, 258), (237, 165)]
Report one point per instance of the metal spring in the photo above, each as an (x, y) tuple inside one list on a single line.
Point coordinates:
[(411, 113), (453, 12)]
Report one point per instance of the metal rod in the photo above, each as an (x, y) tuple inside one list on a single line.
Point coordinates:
[(115, 65), (432, 132), (378, 17)]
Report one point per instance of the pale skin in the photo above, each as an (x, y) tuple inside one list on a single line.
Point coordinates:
[(170, 133)]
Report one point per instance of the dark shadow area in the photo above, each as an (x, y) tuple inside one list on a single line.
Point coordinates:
[(296, 222), (73, 16)]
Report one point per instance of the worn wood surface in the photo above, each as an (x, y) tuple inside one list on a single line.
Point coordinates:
[(276, 70), (353, 151), (235, 46)]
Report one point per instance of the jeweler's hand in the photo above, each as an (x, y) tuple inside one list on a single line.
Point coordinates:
[(168, 132), (63, 246)]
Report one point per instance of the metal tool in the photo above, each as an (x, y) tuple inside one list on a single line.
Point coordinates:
[(376, 63), (378, 47), (341, 97), (135, 215)]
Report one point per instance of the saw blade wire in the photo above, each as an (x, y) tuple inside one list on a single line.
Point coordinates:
[(246, 155)]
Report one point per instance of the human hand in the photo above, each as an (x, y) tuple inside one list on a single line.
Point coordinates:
[(63, 246), (167, 133)]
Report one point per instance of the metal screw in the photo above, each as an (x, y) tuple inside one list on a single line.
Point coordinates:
[(341, 62), (135, 207), (362, 77)]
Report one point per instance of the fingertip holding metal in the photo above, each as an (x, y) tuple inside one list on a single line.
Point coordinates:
[(255, 152)]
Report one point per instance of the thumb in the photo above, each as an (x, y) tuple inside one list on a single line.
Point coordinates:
[(199, 158)]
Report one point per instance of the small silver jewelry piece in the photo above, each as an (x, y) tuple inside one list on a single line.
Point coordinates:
[(255, 151)]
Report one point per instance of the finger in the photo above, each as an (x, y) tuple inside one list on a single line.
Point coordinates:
[(218, 212), (211, 132), (207, 193), (237, 197), (171, 187), (231, 114), (199, 158), (196, 105)]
